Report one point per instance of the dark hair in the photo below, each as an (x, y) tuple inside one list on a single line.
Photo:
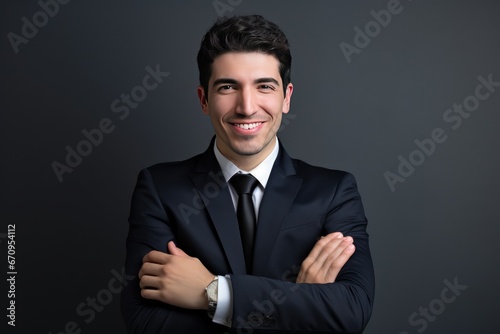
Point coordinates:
[(250, 33)]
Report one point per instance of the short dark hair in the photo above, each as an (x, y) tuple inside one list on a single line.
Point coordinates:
[(250, 33)]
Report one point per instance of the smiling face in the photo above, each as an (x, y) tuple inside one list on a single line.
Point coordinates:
[(245, 102)]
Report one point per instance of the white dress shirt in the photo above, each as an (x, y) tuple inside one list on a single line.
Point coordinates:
[(224, 310)]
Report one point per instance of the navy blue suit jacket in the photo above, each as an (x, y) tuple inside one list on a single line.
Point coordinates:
[(189, 202)]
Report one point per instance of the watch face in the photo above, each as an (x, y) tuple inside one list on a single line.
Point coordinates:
[(212, 291)]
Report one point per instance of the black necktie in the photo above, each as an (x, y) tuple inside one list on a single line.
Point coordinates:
[(245, 184)]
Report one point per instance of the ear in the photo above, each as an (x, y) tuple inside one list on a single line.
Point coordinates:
[(288, 98), (203, 99)]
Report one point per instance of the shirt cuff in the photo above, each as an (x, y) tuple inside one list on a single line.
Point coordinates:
[(224, 310)]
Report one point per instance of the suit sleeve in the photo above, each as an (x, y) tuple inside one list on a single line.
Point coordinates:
[(150, 229), (345, 306)]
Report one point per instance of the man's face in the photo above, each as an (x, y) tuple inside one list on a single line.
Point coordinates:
[(245, 103)]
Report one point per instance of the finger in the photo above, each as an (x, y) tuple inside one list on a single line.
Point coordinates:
[(322, 242), (347, 253), (150, 282), (311, 264), (151, 269), (156, 257), (339, 262), (323, 264), (334, 235), (335, 251), (151, 294), (174, 250), (324, 248)]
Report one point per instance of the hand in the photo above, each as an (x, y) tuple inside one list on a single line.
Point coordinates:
[(176, 278), (328, 256)]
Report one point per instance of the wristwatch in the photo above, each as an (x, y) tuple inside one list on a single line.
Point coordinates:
[(212, 290)]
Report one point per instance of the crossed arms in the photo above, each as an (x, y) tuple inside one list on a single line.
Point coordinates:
[(178, 279), (333, 291)]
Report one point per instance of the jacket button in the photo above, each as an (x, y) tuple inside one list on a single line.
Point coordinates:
[(268, 321), (255, 318)]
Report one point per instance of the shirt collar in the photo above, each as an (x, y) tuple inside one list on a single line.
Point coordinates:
[(261, 172)]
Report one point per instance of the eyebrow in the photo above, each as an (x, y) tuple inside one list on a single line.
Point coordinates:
[(233, 81), (224, 81), (264, 80)]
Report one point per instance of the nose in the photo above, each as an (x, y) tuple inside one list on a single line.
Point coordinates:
[(247, 104)]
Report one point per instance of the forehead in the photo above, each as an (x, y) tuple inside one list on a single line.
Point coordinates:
[(248, 64)]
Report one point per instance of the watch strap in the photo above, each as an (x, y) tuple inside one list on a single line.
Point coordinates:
[(212, 299)]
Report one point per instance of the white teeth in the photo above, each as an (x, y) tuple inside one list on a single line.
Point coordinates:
[(247, 126)]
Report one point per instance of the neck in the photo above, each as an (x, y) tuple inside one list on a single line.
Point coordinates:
[(247, 163)]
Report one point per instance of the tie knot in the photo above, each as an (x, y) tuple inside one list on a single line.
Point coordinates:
[(244, 183)]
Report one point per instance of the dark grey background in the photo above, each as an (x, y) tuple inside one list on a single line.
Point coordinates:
[(440, 224)]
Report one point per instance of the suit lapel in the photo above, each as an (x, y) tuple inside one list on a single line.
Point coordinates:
[(206, 177), (280, 192)]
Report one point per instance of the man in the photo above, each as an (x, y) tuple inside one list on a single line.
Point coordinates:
[(289, 254)]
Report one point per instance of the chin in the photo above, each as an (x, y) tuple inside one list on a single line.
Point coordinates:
[(248, 149), (248, 152)]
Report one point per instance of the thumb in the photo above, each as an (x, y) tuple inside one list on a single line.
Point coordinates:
[(172, 249)]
